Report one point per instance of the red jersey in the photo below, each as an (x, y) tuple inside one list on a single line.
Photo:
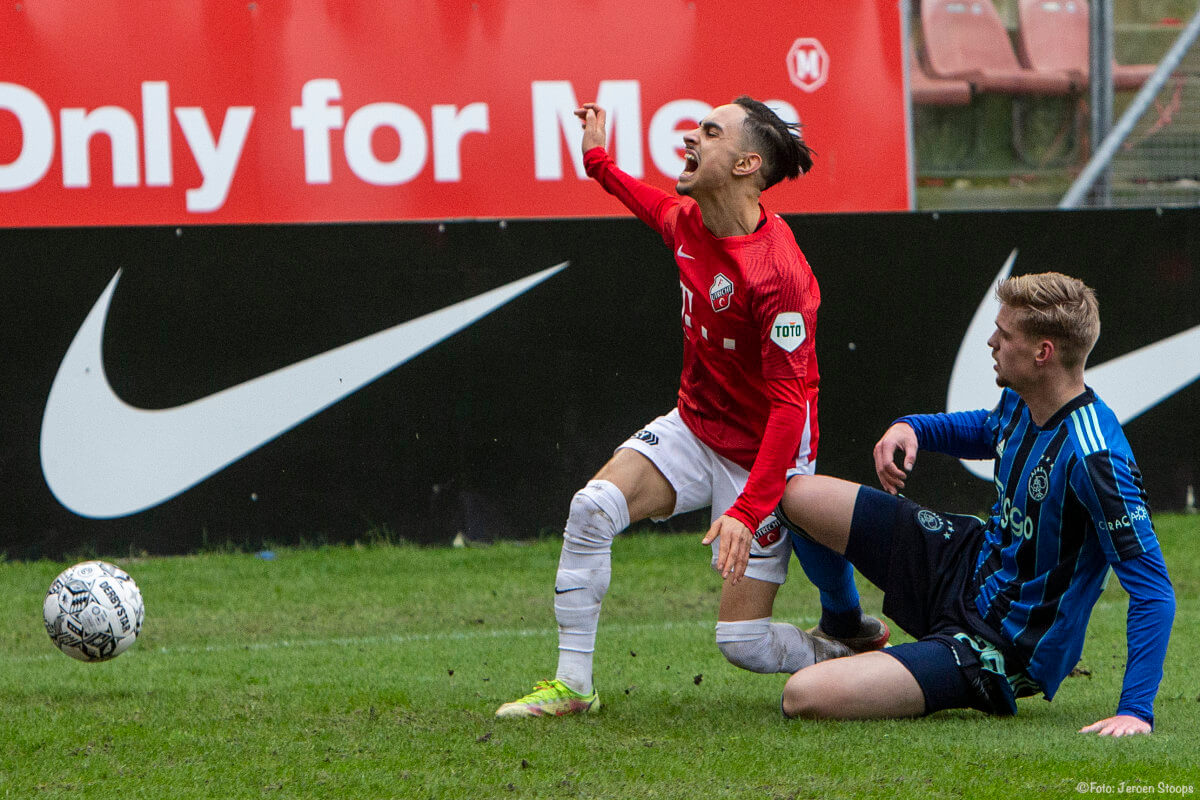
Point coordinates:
[(749, 383)]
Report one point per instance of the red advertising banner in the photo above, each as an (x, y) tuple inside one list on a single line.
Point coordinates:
[(143, 112)]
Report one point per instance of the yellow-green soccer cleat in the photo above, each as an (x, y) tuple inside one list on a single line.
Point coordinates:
[(551, 699)]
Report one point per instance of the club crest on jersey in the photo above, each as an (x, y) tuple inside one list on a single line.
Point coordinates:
[(1039, 484), (721, 292), (930, 520)]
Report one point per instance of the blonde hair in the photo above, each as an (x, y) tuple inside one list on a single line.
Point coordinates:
[(1056, 307)]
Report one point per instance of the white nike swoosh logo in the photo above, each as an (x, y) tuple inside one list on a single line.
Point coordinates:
[(1130, 384), (679, 252), (104, 458)]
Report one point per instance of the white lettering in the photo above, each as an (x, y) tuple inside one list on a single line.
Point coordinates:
[(316, 118), (156, 133), (808, 63), (450, 125), (554, 104), (1015, 520), (686, 313), (319, 114), (216, 159), (217, 162), (37, 138), (78, 128), (414, 145)]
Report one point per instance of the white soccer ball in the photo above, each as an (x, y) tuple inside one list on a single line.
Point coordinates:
[(93, 611)]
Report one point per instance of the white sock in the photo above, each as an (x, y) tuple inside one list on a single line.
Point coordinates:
[(760, 645), (598, 513)]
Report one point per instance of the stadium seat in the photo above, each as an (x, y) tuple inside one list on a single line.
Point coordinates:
[(930, 91), (1053, 35), (967, 40)]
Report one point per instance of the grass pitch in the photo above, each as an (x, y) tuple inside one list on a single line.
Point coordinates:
[(373, 672)]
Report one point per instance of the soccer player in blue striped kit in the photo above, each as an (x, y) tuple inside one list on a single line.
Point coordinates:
[(999, 609)]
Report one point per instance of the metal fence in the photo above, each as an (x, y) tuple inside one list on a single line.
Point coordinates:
[(1030, 152), (1158, 161)]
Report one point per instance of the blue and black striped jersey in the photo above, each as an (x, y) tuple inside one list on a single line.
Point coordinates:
[(1069, 502)]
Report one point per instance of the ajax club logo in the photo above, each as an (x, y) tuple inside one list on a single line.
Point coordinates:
[(721, 292), (929, 520), (1039, 484)]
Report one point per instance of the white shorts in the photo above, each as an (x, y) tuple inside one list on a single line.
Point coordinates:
[(703, 478)]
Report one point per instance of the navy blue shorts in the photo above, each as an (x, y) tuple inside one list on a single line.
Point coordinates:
[(922, 560)]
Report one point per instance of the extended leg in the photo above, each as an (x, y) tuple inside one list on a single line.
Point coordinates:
[(818, 511), (865, 686), (627, 489)]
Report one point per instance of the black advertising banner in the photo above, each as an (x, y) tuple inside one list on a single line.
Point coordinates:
[(170, 388)]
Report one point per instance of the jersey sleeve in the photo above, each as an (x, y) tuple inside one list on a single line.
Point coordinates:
[(785, 306), (1104, 483), (651, 205), (781, 439), (1147, 630), (786, 299), (962, 434)]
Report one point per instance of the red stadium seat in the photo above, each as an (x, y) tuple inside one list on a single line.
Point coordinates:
[(930, 91), (967, 40), (1053, 35)]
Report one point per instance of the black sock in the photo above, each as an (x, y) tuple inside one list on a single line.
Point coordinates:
[(841, 624)]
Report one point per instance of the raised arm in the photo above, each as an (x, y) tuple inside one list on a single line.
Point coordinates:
[(652, 206)]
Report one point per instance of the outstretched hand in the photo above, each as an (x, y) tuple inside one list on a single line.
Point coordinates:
[(733, 553), (898, 438), (593, 118), (1120, 725)]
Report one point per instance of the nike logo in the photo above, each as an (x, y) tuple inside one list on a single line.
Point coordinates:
[(564, 591), (679, 252), (104, 458), (1130, 384)]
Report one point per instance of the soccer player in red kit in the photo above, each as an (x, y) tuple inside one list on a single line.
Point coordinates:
[(746, 417)]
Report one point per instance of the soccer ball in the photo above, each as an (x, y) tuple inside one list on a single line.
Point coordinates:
[(93, 611)]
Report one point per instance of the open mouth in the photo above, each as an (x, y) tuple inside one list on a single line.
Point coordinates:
[(690, 163)]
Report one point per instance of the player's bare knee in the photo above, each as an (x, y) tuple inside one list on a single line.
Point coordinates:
[(806, 698), (794, 503)]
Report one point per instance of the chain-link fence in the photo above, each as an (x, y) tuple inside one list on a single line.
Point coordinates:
[(1159, 162), (1027, 150)]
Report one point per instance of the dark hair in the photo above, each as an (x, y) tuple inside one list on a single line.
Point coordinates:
[(783, 151)]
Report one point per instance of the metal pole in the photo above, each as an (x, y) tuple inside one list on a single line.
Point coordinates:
[(906, 46), (1103, 155), (1100, 61)]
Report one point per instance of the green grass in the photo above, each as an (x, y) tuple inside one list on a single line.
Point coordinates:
[(372, 672)]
